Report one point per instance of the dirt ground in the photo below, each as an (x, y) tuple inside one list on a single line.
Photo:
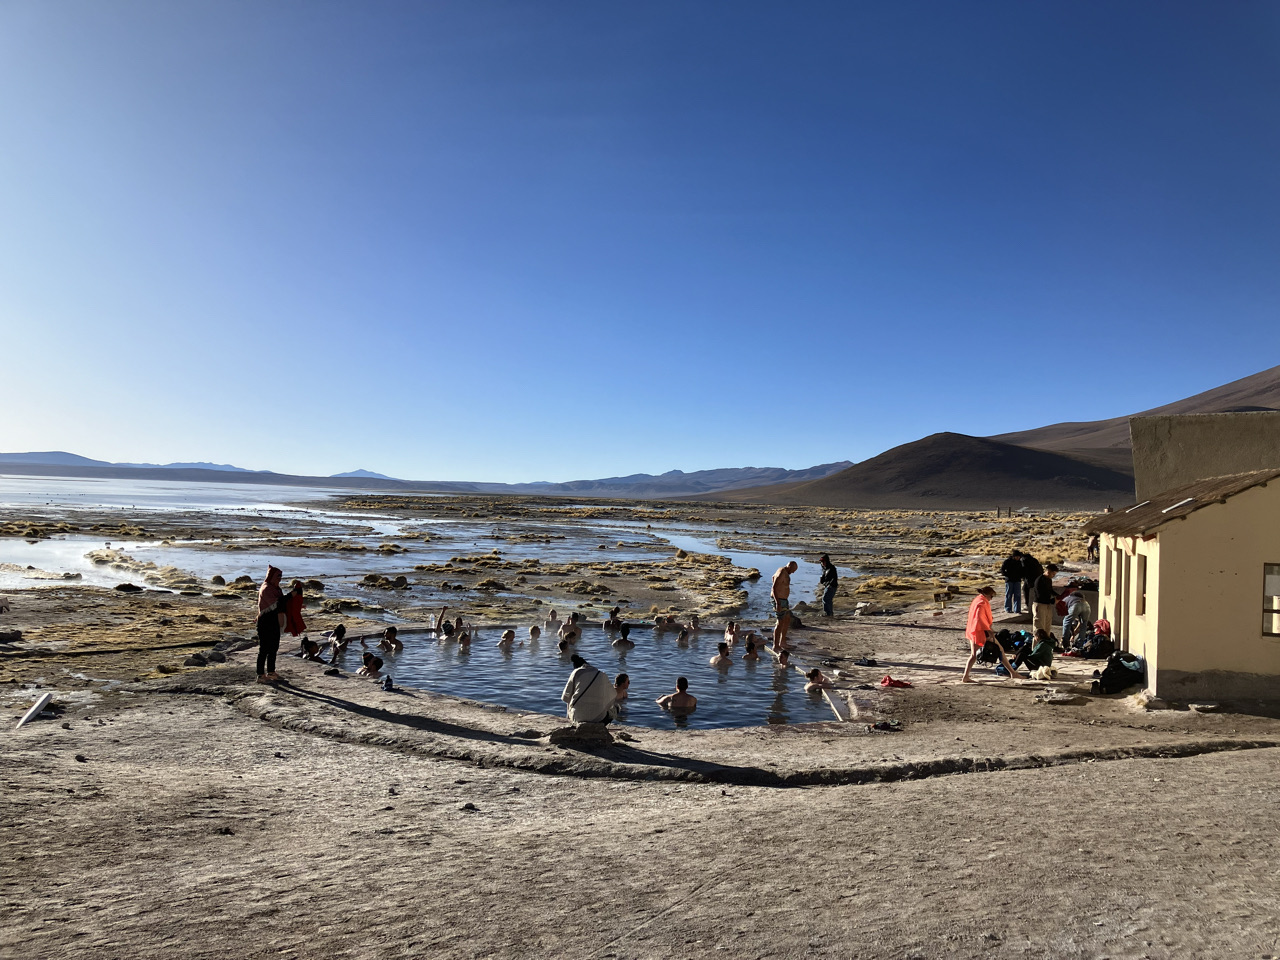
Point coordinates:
[(173, 811), (175, 825)]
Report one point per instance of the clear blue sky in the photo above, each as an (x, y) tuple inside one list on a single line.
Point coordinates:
[(520, 241)]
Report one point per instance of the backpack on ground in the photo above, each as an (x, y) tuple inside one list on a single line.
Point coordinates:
[(1123, 670)]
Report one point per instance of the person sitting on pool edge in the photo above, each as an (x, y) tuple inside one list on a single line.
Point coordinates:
[(816, 681), (682, 701), (622, 643), (722, 659)]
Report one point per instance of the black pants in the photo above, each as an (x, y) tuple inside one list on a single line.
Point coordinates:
[(268, 642)]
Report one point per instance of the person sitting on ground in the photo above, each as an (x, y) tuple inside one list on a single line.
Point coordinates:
[(310, 650), (817, 681), (1038, 653), (623, 643), (589, 695), (751, 653), (621, 686), (372, 667), (390, 641), (978, 631), (535, 634), (722, 658), (682, 701), (507, 640)]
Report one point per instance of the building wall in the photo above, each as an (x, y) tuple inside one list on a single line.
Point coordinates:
[(1120, 591), (1171, 452), (1210, 602)]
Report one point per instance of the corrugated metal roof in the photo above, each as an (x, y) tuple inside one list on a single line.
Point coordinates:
[(1146, 516)]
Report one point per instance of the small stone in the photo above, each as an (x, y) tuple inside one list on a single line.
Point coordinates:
[(81, 758), (128, 588), (468, 806), (203, 619), (195, 660), (224, 831), (217, 656), (1206, 707)]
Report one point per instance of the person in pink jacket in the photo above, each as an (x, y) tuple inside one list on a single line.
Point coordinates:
[(978, 631)]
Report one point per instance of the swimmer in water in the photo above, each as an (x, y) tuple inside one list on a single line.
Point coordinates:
[(564, 648), (552, 623), (621, 685), (441, 623), (693, 626), (731, 633), (613, 622), (751, 651), (507, 640), (337, 642), (622, 643), (662, 624), (570, 631), (816, 681), (784, 658), (390, 641), (371, 668), (722, 659), (535, 634), (683, 638), (464, 640), (681, 701), (310, 650)]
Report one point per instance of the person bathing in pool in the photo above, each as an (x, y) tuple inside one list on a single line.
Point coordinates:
[(817, 681), (372, 667), (337, 643), (507, 640), (614, 622), (621, 687), (682, 701), (390, 641), (622, 643), (751, 651), (722, 658), (552, 623), (535, 634)]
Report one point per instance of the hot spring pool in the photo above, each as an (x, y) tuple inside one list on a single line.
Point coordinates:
[(532, 676)]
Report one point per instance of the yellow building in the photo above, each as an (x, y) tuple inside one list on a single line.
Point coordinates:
[(1190, 580)]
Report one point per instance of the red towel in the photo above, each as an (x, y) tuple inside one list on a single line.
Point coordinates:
[(888, 681)]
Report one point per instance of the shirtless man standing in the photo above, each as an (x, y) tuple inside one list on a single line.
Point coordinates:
[(781, 594)]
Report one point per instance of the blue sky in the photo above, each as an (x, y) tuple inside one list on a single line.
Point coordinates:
[(521, 241)]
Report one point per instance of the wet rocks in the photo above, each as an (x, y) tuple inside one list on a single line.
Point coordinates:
[(128, 588), (195, 660)]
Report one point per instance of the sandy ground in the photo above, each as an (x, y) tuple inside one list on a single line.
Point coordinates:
[(166, 825), (172, 811)]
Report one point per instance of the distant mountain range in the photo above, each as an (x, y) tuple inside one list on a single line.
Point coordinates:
[(673, 484), (1082, 465), (1070, 465)]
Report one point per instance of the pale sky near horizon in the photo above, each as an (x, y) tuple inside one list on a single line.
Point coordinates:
[(521, 241)]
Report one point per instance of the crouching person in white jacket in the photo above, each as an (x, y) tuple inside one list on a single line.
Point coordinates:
[(589, 694)]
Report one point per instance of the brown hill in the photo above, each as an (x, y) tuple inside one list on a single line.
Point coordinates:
[(1107, 441), (954, 471)]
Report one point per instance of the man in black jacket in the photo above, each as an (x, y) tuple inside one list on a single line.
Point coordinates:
[(1011, 571), (1031, 571)]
